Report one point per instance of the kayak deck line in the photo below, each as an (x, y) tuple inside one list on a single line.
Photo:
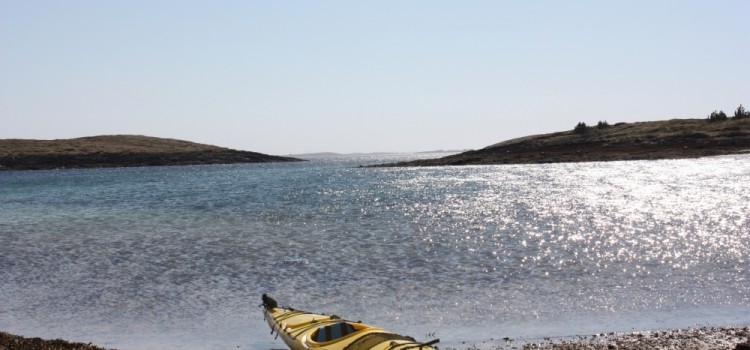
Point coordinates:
[(302, 330)]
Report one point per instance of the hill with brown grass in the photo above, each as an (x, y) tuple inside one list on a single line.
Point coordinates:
[(669, 139), (119, 151)]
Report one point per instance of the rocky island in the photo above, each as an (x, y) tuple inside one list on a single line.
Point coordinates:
[(669, 139), (119, 151)]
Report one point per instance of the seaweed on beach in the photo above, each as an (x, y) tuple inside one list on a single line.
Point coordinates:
[(14, 342)]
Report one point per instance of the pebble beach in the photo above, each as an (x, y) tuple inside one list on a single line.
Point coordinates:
[(703, 338)]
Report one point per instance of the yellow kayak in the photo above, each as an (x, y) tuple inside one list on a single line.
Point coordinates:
[(302, 330)]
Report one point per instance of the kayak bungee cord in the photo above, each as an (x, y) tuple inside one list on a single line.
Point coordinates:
[(415, 345)]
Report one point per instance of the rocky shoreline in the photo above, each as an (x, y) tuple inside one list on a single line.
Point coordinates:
[(670, 139), (119, 151), (14, 342), (703, 338), (128, 159)]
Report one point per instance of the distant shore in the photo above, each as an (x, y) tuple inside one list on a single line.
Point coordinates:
[(119, 151), (669, 139), (704, 338)]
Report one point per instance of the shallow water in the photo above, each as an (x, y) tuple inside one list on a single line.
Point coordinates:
[(177, 257)]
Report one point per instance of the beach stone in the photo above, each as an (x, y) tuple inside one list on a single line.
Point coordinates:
[(742, 346)]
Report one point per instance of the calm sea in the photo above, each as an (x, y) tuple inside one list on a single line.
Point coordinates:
[(177, 257)]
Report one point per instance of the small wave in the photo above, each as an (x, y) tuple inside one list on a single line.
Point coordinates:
[(287, 262)]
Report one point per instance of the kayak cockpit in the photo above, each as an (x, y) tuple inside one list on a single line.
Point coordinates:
[(333, 333)]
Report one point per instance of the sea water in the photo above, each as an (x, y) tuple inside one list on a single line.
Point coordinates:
[(177, 257)]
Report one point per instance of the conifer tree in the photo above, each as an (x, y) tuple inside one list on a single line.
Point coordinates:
[(581, 128), (741, 113)]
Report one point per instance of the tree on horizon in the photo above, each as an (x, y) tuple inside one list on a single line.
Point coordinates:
[(717, 116), (741, 113)]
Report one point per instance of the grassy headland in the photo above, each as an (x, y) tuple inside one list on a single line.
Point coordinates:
[(118, 151), (669, 139)]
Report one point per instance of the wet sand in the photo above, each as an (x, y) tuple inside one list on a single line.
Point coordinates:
[(705, 338)]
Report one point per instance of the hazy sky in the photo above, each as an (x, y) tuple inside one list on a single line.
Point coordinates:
[(285, 77)]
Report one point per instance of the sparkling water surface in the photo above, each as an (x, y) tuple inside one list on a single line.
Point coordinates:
[(177, 257)]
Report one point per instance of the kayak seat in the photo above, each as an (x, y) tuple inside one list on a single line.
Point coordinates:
[(332, 332)]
